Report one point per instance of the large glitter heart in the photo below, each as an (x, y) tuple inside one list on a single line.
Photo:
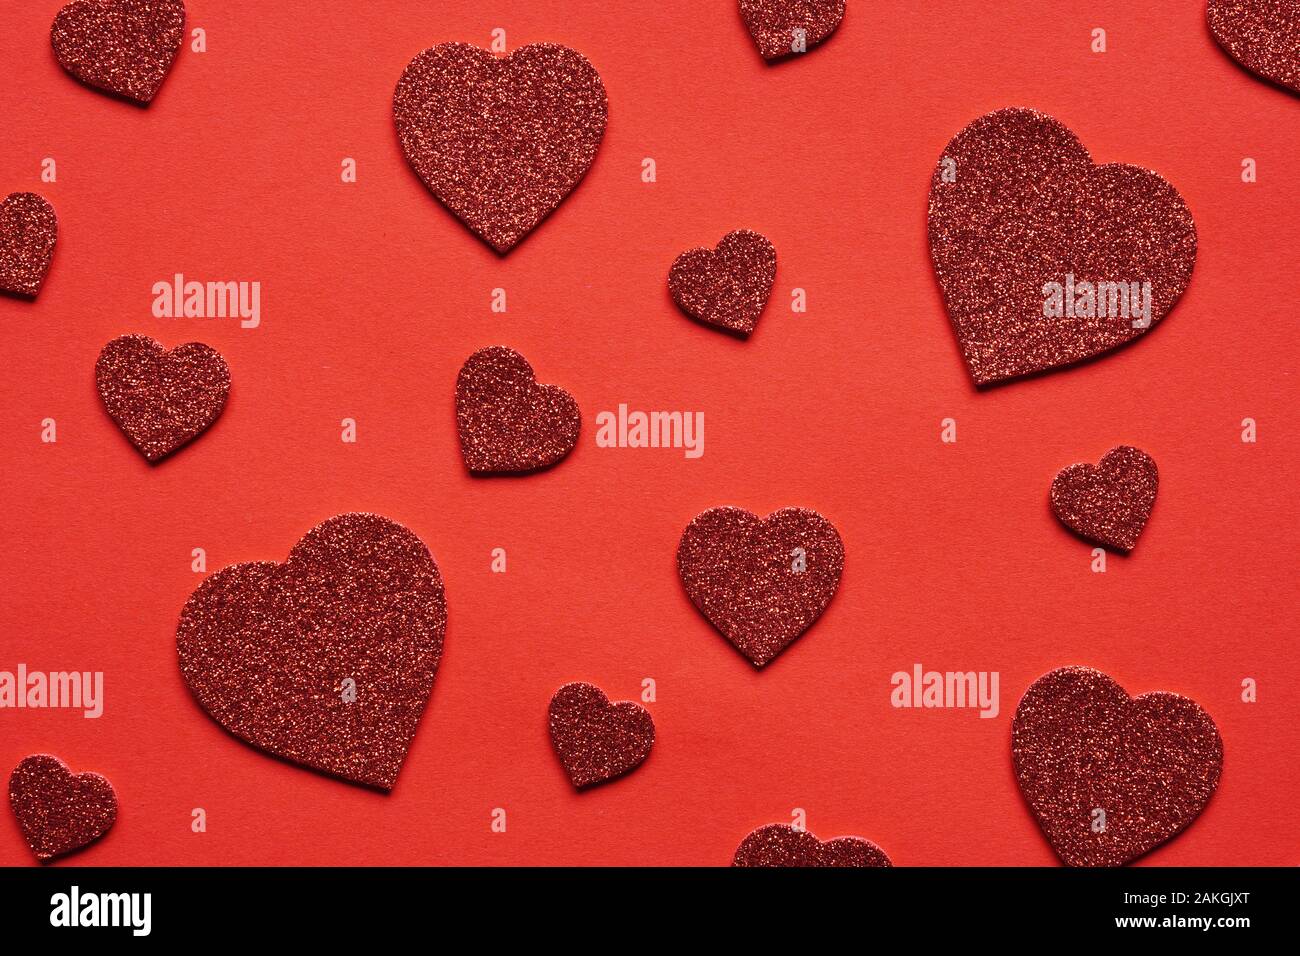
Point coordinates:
[(28, 231), (726, 287), (59, 811), (597, 740), (1108, 503), (123, 46), (1261, 35), (326, 660), (500, 140), (781, 845), (161, 399), (761, 582), (1109, 777), (1025, 232), (783, 28)]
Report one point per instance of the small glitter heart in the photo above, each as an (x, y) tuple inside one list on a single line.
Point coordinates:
[(1109, 777), (783, 28), (500, 141), (28, 231), (59, 811), (326, 660), (781, 845), (123, 46), (597, 740), (726, 287), (1109, 502), (1261, 35), (161, 400), (760, 581), (1044, 258), (508, 423)]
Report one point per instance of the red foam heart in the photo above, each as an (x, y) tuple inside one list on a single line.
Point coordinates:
[(59, 811), (273, 652), (781, 845), (1108, 503), (597, 740), (728, 286), (1081, 745), (508, 423), (783, 28), (1025, 208), (761, 582), (161, 399), (1261, 35), (28, 231), (123, 46), (501, 141)]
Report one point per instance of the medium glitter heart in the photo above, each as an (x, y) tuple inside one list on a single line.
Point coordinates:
[(783, 28), (1044, 258), (1108, 503), (761, 582), (508, 423), (59, 811), (161, 400), (326, 660), (781, 845), (28, 231), (1261, 35), (1109, 777), (726, 287), (501, 141), (597, 740), (123, 46)]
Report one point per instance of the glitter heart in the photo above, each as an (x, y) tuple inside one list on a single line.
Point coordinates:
[(500, 141), (1044, 258), (761, 582), (597, 740), (781, 845), (1108, 503), (726, 287), (59, 811), (28, 231), (783, 28), (161, 400), (1109, 777), (326, 660), (123, 46), (1261, 35), (508, 423)]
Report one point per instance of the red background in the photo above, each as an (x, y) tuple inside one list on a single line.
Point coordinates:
[(373, 295)]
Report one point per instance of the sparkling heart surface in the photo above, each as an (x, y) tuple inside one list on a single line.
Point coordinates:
[(161, 399), (59, 811), (1082, 748), (761, 582), (1108, 503), (1027, 207), (597, 740), (728, 286), (783, 28), (326, 660), (1261, 35), (123, 46), (781, 845), (501, 141), (28, 231)]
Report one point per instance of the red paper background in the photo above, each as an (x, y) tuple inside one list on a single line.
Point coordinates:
[(373, 295)]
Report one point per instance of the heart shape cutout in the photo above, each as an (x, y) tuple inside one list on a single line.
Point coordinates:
[(28, 231), (781, 845), (500, 141), (726, 287), (1044, 258), (124, 47), (596, 740), (783, 28), (326, 660), (507, 422), (161, 399), (1110, 776), (1108, 503), (1261, 35), (761, 582), (59, 811)]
